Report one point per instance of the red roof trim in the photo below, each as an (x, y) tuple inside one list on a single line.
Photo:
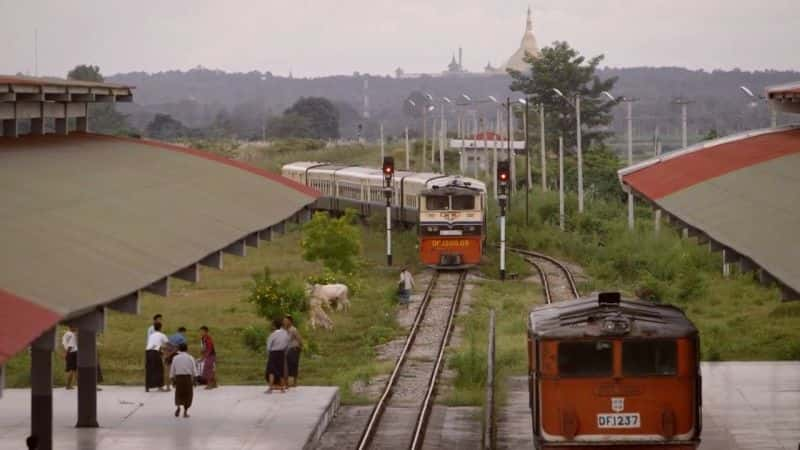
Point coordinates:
[(311, 192), (21, 321), (675, 174)]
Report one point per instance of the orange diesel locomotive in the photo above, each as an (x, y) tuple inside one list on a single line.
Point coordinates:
[(452, 225), (608, 373)]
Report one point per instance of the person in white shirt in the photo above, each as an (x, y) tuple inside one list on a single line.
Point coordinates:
[(183, 373), (405, 285), (154, 365), (277, 344), (70, 343), (152, 327)]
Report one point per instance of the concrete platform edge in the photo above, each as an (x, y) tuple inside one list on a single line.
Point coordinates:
[(324, 420)]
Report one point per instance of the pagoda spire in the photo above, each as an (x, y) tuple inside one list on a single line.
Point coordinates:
[(529, 22)]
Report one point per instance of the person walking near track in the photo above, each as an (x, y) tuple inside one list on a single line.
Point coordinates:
[(70, 343), (209, 358), (277, 343), (182, 372), (293, 350), (405, 285), (154, 365)]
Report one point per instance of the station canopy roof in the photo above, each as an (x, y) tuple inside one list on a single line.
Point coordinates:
[(87, 219), (741, 191)]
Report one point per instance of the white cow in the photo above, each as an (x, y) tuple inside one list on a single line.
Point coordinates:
[(334, 295), (318, 316)]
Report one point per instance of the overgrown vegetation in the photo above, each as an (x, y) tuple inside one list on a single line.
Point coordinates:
[(333, 241)]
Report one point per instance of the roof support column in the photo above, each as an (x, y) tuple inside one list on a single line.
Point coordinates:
[(657, 221), (61, 126), (42, 388), (88, 327), (10, 128)]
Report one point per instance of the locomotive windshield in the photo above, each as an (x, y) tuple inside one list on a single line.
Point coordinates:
[(585, 359), (463, 202), (642, 358), (437, 203)]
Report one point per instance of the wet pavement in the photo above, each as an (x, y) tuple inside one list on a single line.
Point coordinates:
[(231, 417)]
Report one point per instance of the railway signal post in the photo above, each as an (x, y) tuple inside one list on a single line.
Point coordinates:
[(388, 173), (503, 174)]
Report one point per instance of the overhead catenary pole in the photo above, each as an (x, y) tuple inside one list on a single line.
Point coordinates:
[(527, 163), (561, 182), (542, 148), (510, 151), (383, 150), (442, 145), (475, 133), (462, 155), (485, 127), (424, 133), (434, 138)]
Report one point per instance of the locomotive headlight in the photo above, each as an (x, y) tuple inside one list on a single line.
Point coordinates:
[(432, 229), (471, 228), (616, 326)]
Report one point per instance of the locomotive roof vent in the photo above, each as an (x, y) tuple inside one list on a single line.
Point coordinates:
[(608, 299)]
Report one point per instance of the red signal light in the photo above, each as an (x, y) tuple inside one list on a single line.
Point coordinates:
[(388, 166), (503, 171)]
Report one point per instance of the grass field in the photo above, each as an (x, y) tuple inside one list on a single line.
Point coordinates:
[(339, 357)]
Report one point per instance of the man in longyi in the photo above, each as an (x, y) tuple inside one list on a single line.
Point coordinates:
[(183, 373)]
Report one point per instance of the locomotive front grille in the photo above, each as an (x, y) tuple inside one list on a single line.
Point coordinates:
[(450, 259)]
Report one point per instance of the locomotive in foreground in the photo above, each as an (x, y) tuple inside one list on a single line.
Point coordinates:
[(449, 210), (609, 373)]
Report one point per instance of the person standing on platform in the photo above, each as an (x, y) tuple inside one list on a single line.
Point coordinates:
[(293, 350), (405, 285), (152, 327), (209, 358), (172, 346), (154, 365), (182, 372), (277, 343), (70, 343)]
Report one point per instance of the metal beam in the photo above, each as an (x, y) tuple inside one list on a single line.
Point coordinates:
[(214, 260), (160, 287), (128, 304), (190, 274)]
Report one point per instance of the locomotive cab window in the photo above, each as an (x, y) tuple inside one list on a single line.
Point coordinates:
[(437, 203), (463, 202), (642, 358), (585, 359)]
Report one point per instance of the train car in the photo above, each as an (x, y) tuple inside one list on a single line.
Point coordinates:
[(452, 223), (609, 373)]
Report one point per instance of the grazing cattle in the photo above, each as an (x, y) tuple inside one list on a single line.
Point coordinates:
[(334, 295), (318, 316)]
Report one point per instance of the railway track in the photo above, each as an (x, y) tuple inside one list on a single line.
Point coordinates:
[(558, 283), (400, 417)]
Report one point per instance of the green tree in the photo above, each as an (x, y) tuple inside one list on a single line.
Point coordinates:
[(164, 127), (289, 126), (274, 298), (334, 241), (321, 114), (103, 117), (562, 67)]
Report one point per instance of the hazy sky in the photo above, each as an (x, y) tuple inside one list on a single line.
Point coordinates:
[(323, 37)]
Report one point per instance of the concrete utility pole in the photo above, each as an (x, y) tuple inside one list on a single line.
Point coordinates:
[(684, 119), (580, 152), (511, 154), (442, 145), (629, 117), (382, 144), (542, 148), (434, 138), (561, 182), (408, 149), (424, 133), (475, 145), (485, 129)]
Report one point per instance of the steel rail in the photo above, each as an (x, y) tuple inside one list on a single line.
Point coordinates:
[(570, 279), (422, 419), (380, 406), (548, 297)]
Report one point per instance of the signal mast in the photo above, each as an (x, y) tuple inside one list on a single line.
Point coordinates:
[(503, 174), (388, 173)]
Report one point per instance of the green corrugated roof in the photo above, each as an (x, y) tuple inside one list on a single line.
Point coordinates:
[(87, 219)]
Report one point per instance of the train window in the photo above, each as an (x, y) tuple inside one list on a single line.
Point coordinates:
[(437, 202), (640, 358), (463, 202), (585, 359)]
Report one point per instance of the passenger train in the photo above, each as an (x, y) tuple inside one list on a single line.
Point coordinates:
[(450, 211), (610, 373)]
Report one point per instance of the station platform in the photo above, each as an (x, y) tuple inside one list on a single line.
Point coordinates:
[(230, 417)]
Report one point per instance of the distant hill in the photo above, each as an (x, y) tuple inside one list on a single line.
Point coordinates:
[(197, 96)]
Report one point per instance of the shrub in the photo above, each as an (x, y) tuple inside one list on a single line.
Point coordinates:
[(275, 298), (335, 242), (255, 338)]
